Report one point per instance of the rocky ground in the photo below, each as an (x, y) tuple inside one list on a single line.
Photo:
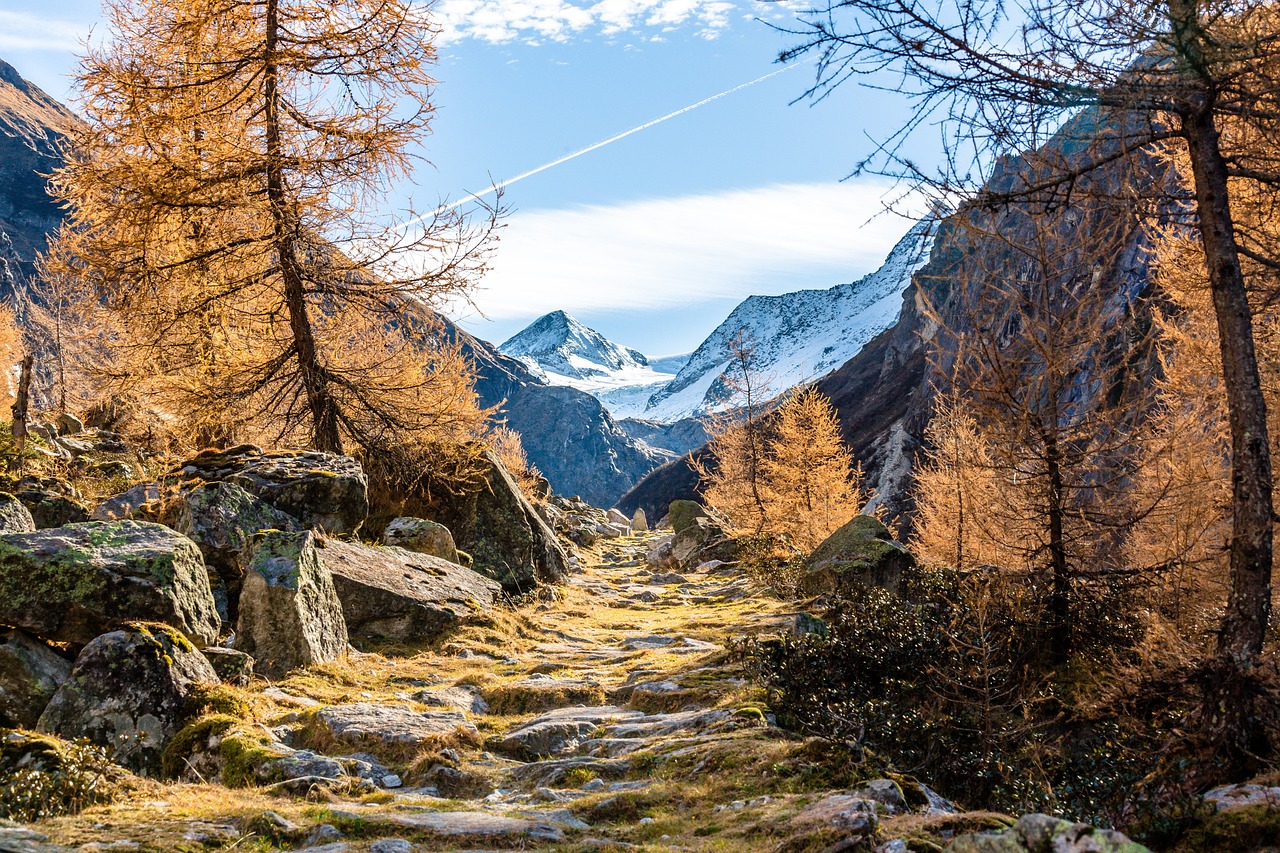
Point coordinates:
[(606, 713)]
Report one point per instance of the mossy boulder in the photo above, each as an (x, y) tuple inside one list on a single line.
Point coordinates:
[(70, 584), (324, 491), (221, 518), (137, 502), (394, 594), (129, 692), (682, 514), (861, 552), (30, 673), (233, 667), (695, 537), (14, 515), (1037, 833), (290, 615), (421, 536)]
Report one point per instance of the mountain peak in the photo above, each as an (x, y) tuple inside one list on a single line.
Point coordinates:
[(560, 344)]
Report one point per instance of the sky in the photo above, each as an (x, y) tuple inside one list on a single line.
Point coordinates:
[(651, 239)]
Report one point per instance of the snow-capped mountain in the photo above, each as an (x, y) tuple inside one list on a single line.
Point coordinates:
[(797, 336), (562, 351)]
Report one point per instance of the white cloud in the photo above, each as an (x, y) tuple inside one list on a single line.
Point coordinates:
[(500, 21), (28, 32), (681, 251)]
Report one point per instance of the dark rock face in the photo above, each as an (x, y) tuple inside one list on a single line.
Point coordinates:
[(232, 667), (290, 615), (860, 552), (72, 583), (322, 490), (50, 509), (30, 673), (679, 438), (390, 593), (129, 691), (506, 538), (32, 127), (221, 518)]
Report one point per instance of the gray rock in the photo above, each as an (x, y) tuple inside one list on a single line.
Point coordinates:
[(394, 594), (618, 518), (390, 725), (391, 845), (886, 792), (464, 698), (129, 691), (233, 667), (480, 825), (639, 523), (69, 424), (290, 615), (506, 538), (421, 536), (1230, 797), (127, 504), (221, 518), (1034, 833), (321, 490), (660, 556), (860, 552), (695, 536), (30, 673), (72, 583), (682, 513), (14, 515)]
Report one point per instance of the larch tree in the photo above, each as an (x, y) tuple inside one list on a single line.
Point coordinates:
[(811, 482), (997, 77), (224, 204)]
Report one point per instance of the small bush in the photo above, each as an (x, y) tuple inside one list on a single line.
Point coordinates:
[(42, 777)]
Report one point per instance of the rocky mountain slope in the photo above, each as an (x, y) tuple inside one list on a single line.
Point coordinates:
[(797, 336), (884, 394), (560, 350), (32, 126)]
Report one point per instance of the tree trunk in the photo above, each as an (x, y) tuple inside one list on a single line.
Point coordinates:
[(1060, 594), (1228, 710), (324, 414)]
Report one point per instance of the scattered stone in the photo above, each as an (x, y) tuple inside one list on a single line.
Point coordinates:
[(290, 615), (391, 845), (233, 667), (14, 515), (394, 594), (480, 825), (325, 833), (1231, 797), (30, 673), (668, 578), (660, 555), (1036, 832), (129, 691), (324, 491), (390, 725), (422, 537), (886, 792), (51, 509), (69, 424), (860, 552), (72, 583), (464, 698)]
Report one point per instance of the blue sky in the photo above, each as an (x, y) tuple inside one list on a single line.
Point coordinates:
[(654, 238)]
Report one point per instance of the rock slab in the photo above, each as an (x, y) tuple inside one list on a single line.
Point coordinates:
[(30, 673)]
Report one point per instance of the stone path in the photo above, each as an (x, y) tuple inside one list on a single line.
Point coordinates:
[(607, 716)]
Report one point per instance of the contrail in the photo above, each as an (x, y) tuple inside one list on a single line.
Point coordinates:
[(566, 158)]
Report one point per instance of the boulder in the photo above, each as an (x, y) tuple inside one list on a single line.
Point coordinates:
[(1034, 833), (290, 615), (50, 509), (860, 552), (69, 424), (72, 583), (639, 523), (127, 504), (700, 532), (660, 556), (617, 517), (322, 490), (14, 516), (30, 673), (507, 539), (682, 513), (394, 594), (421, 536), (129, 691), (221, 518), (233, 667)]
